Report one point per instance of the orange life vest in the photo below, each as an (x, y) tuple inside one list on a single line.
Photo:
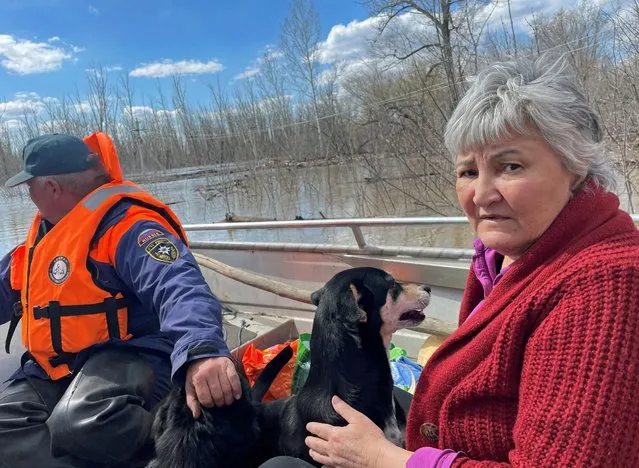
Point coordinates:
[(63, 310)]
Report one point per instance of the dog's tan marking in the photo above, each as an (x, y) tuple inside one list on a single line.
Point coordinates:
[(363, 316), (412, 297), (355, 292), (413, 292)]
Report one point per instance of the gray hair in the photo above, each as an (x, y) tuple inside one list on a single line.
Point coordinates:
[(507, 98), (80, 183)]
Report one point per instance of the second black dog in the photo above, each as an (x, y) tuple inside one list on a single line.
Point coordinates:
[(223, 436)]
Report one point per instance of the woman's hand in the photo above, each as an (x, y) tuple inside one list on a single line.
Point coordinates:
[(360, 444)]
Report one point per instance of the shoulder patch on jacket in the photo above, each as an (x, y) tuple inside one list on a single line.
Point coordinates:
[(162, 250), (147, 235)]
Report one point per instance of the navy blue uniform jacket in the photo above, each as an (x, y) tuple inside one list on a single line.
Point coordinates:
[(173, 296)]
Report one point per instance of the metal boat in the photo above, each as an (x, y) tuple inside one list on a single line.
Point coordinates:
[(252, 313), (308, 266)]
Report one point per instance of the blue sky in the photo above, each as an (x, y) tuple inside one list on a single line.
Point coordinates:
[(46, 46)]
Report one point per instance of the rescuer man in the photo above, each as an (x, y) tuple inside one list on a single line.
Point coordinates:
[(114, 308)]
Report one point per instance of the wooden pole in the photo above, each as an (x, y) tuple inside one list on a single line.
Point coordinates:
[(432, 326), (266, 284)]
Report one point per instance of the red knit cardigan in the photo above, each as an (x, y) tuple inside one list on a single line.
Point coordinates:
[(546, 372)]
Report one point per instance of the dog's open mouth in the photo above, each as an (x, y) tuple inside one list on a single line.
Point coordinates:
[(416, 315)]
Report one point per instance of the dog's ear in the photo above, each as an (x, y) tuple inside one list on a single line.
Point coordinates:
[(359, 296), (316, 296)]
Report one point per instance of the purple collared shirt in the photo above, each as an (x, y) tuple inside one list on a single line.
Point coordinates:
[(484, 265)]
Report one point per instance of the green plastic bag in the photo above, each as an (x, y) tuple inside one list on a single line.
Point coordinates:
[(302, 363), (396, 352), (405, 372)]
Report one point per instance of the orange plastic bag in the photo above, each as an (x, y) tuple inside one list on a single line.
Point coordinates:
[(254, 360)]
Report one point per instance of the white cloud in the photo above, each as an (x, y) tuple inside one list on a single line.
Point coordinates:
[(140, 112), (248, 73), (522, 11), (54, 39), (25, 57), (143, 113), (93, 10), (182, 67), (357, 47), (271, 53), (361, 40), (83, 107), (27, 95), (51, 126), (12, 125), (353, 40), (108, 69), (22, 104), (348, 41), (167, 113), (270, 103)]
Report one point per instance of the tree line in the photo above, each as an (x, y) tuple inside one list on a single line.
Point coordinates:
[(391, 105)]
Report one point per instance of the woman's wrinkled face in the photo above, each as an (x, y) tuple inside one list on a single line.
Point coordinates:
[(512, 191)]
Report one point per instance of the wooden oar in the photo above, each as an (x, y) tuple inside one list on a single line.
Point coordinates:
[(432, 326), (257, 281)]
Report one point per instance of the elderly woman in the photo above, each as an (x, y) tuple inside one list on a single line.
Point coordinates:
[(544, 368)]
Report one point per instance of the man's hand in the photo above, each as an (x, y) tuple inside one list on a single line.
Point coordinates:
[(211, 381)]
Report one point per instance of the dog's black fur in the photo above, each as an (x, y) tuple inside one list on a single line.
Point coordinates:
[(223, 436), (348, 359)]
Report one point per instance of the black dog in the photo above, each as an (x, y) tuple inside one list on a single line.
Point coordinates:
[(223, 436), (357, 312)]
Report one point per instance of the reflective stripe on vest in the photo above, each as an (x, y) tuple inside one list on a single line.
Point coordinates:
[(99, 196)]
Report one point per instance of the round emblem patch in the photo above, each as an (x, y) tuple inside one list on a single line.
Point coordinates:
[(162, 250), (59, 269)]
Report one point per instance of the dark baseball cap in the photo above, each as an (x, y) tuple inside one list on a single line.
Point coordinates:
[(53, 154)]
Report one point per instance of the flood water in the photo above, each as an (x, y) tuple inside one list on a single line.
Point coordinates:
[(335, 191), (342, 190)]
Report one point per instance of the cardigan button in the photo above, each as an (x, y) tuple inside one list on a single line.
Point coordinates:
[(430, 431)]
